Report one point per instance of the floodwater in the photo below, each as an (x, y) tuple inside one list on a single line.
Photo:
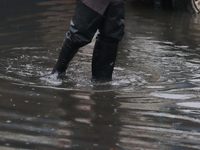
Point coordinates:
[(153, 102)]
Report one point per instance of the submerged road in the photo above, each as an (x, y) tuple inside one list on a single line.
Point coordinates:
[(153, 102)]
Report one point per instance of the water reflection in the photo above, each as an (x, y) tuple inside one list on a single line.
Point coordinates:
[(95, 120)]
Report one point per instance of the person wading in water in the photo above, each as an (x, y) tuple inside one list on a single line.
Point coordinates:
[(106, 16)]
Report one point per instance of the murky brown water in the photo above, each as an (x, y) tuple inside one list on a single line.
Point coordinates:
[(153, 102)]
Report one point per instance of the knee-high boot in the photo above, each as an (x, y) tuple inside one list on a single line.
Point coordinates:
[(104, 57), (69, 49)]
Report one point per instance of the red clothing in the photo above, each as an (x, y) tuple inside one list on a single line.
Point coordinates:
[(100, 5)]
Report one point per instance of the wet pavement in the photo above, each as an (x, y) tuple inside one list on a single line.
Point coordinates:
[(153, 102)]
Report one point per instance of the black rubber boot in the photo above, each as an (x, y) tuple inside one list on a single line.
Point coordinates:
[(66, 54), (111, 31), (103, 61)]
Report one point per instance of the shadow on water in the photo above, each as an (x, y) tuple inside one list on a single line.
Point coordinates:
[(152, 102)]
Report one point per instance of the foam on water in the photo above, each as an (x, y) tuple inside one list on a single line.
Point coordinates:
[(51, 79)]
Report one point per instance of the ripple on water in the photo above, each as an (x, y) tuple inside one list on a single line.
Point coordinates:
[(173, 96), (189, 104)]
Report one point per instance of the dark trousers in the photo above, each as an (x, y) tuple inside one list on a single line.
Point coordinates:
[(87, 21)]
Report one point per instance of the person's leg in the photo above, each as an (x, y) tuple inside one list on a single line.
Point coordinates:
[(83, 26), (106, 46)]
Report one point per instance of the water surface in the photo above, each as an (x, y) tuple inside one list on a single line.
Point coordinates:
[(152, 103)]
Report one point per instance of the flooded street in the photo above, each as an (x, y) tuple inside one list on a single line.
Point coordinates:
[(153, 102)]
